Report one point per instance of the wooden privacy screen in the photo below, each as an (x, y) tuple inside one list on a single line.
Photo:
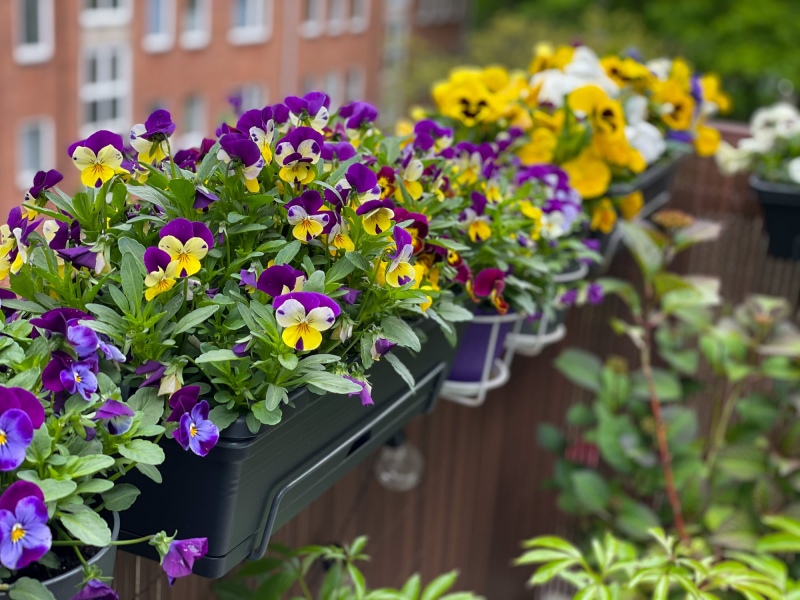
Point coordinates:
[(482, 490)]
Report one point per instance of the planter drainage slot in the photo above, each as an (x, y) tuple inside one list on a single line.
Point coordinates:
[(360, 442), (252, 484)]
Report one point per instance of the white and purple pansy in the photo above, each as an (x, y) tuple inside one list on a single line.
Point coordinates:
[(116, 416), (339, 151), (304, 316), (399, 272), (312, 109), (278, 280), (306, 215), (149, 139), (365, 393), (260, 126), (297, 153), (242, 149), (98, 157), (430, 136), (358, 115)]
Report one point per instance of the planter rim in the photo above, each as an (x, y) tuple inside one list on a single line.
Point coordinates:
[(763, 185), (654, 171), (95, 558), (570, 274)]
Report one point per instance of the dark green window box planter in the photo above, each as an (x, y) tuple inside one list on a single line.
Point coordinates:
[(781, 204), (250, 485)]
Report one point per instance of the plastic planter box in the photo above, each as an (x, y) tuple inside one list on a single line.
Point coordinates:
[(781, 203), (652, 182), (67, 585), (250, 485)]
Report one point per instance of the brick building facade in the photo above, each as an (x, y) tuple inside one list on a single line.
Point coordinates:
[(70, 67)]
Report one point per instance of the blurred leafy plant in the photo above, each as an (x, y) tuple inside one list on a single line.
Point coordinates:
[(283, 570)]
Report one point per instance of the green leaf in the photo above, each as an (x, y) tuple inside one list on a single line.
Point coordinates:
[(581, 368), (288, 361), (335, 384), (635, 518), (54, 489), (550, 437), (591, 490), (195, 318), (401, 370), (646, 252), (87, 526), (396, 330), (454, 313), (553, 543), (339, 270), (439, 586), (786, 524), (121, 496), (89, 465), (550, 570), (742, 462), (142, 452), (131, 246), (132, 273), (275, 395), (358, 260), (40, 447), (668, 386), (149, 194), (412, 587), (213, 356), (29, 589), (288, 252), (264, 415), (150, 472), (94, 486)]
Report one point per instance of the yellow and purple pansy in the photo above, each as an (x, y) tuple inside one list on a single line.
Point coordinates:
[(187, 243), (312, 109), (429, 137), (359, 185), (376, 215), (478, 224), (98, 157), (399, 272), (238, 148), (278, 280), (489, 283), (149, 139), (297, 153), (42, 181), (418, 228), (410, 173), (260, 126), (360, 117), (304, 316), (306, 216), (161, 272)]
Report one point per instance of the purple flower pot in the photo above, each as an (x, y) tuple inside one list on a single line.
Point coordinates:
[(474, 345)]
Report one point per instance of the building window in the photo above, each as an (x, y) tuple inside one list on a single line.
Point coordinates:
[(35, 149), (313, 18), (34, 31), (333, 87), (337, 17), (194, 121), (159, 25), (251, 21), (252, 96), (354, 84), (196, 24), (310, 84), (105, 13), (105, 89), (359, 15)]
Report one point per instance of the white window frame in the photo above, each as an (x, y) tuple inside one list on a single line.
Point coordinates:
[(359, 74), (41, 51), (195, 39), (93, 18), (46, 151), (256, 33), (164, 40), (119, 88), (310, 79), (359, 24), (337, 23), (254, 88), (313, 28), (335, 88), (193, 138)]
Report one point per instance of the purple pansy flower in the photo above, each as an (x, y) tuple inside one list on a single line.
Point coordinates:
[(358, 114), (24, 535), (399, 272), (18, 398), (203, 198), (149, 139), (78, 377), (83, 339), (340, 151), (153, 370), (117, 417), (260, 127), (8, 313), (248, 279), (180, 557), (430, 135), (365, 393), (569, 297), (594, 293), (96, 590), (43, 181), (380, 347), (187, 159), (16, 433), (83, 256), (57, 319), (296, 152), (196, 432), (240, 349), (418, 228), (280, 113), (182, 401), (58, 233), (187, 243), (304, 315), (98, 157), (478, 225), (242, 149), (360, 183), (489, 283), (350, 295), (311, 109), (280, 279), (306, 216)]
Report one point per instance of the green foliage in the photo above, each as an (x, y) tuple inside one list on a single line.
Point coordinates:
[(286, 573)]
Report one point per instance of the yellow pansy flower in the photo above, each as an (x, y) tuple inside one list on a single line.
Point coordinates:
[(604, 217)]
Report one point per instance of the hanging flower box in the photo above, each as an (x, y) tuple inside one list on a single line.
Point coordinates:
[(781, 204), (653, 183), (252, 484)]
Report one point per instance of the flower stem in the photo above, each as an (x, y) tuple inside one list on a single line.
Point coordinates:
[(140, 540), (721, 428)]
